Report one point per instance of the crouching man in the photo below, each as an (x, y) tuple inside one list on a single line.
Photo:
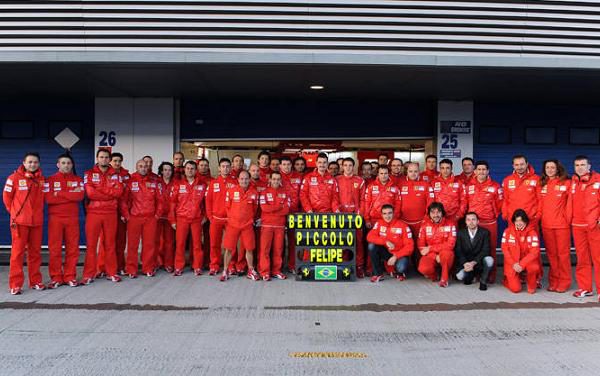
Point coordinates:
[(390, 240), (472, 252)]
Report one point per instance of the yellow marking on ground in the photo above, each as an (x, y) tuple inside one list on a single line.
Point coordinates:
[(328, 354)]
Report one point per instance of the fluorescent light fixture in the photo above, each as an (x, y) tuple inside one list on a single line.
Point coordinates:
[(317, 87)]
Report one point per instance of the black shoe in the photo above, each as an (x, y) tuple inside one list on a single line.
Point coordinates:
[(482, 286), (468, 281)]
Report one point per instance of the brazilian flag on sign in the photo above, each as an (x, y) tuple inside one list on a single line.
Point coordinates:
[(325, 273)]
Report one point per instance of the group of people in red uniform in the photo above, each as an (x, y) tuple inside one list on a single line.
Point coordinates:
[(239, 218)]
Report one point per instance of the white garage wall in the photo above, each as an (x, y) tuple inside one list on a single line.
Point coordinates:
[(136, 127)]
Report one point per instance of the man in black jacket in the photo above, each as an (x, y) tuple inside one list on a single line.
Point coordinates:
[(472, 252)]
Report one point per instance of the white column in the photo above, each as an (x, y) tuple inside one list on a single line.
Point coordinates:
[(455, 132)]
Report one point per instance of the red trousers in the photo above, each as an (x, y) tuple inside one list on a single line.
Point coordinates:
[(96, 224), (25, 238), (217, 228), (558, 249), (512, 280), (493, 229), (271, 238), (165, 251), (428, 265), (143, 228), (247, 242), (587, 247), (120, 245), (59, 229), (184, 229)]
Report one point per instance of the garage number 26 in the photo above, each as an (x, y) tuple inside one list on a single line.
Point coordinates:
[(108, 138)]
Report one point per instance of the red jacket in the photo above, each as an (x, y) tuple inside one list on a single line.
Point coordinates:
[(439, 237), (205, 178), (555, 204), (187, 201), (235, 173), (241, 206), (485, 199), (274, 206), (178, 173), (23, 197), (429, 175), (521, 193), (319, 194), (583, 191), (103, 190), (521, 247), (416, 197), (466, 180), (292, 183), (124, 174), (142, 197), (396, 232), (165, 196), (352, 193), (377, 195), (264, 173), (215, 197), (396, 179), (65, 192), (259, 185), (450, 193)]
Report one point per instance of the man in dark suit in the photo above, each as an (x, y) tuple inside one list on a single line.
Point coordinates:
[(472, 252)]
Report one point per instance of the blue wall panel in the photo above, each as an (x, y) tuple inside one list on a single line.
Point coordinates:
[(47, 114), (517, 117)]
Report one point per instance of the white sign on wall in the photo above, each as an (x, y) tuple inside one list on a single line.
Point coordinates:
[(136, 127), (455, 132)]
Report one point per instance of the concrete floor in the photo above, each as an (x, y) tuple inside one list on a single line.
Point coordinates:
[(199, 326)]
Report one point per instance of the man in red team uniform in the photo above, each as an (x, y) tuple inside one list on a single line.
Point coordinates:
[(437, 238), (366, 173), (141, 208), (484, 198), (165, 235), (116, 162), (467, 176), (585, 192), (216, 211), (319, 192), (521, 190), (275, 203), (103, 188), (178, 159), (390, 240), (352, 196), (291, 181), (241, 203), (450, 192), (430, 171), (149, 165), (416, 195), (187, 217), (396, 171), (23, 198), (64, 195), (264, 164), (237, 165)]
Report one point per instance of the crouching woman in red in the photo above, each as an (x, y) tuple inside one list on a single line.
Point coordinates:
[(521, 250)]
